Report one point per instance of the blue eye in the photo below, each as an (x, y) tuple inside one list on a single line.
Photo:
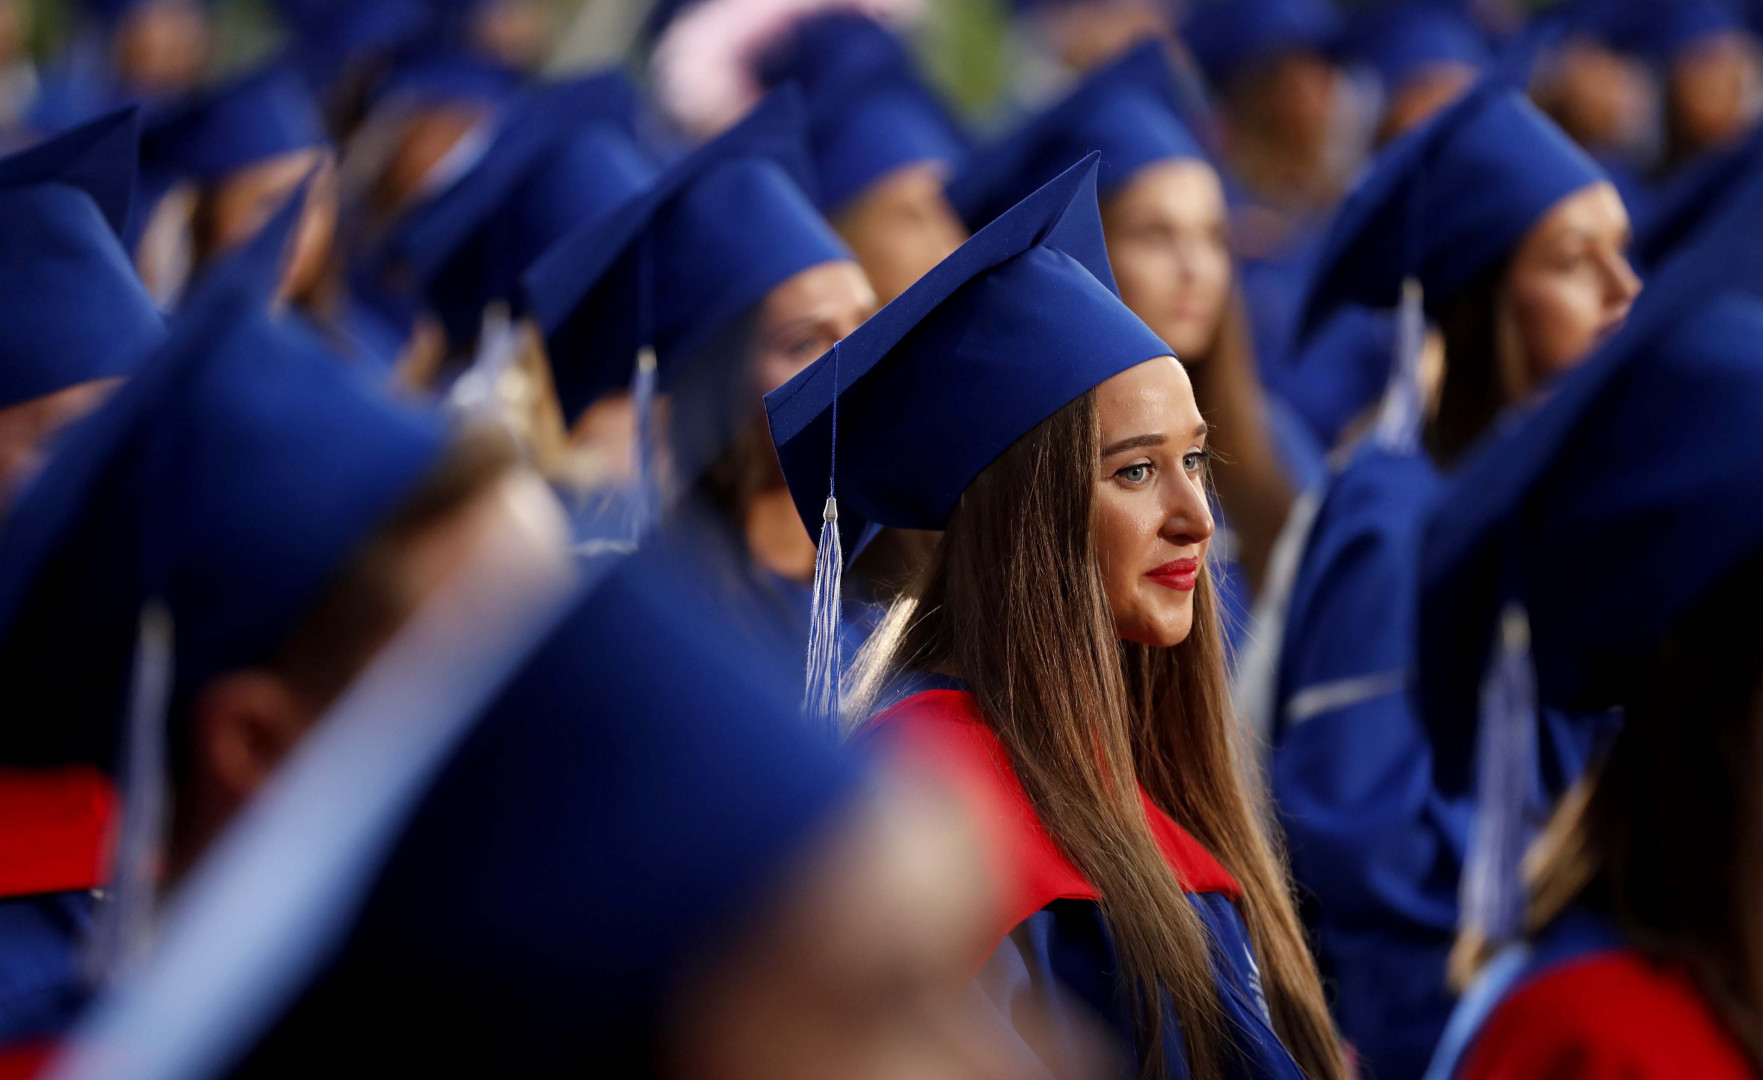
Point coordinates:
[(1135, 474), (1196, 460)]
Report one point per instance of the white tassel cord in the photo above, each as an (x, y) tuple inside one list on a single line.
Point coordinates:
[(823, 697), (825, 654), (1399, 416), (644, 495), (124, 925), (1493, 889)]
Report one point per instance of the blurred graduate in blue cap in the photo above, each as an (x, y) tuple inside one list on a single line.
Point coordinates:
[(562, 154), (513, 34), (18, 71), (1287, 130), (203, 565), (344, 47), (216, 165), (1164, 214), (1584, 72), (1489, 224), (883, 144), (616, 852), (81, 320), (1060, 656), (1082, 35), (1425, 54), (710, 287), (124, 52), (1629, 937), (1709, 67)]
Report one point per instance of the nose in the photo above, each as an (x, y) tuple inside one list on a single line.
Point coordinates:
[(1187, 519), (1622, 286)]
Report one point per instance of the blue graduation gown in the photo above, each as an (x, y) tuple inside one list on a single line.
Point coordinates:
[(42, 977), (1060, 967), (1378, 828)]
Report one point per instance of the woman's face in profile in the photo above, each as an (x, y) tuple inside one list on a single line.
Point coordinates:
[(1568, 289), (1168, 247), (803, 317), (1153, 520)]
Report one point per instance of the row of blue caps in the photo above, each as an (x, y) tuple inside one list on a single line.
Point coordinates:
[(1452, 185), (1020, 320)]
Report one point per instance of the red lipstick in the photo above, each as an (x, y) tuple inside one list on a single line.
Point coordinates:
[(1181, 574)]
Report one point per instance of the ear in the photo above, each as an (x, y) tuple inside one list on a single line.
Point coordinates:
[(242, 725)]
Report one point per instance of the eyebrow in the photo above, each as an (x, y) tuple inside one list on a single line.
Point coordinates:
[(1138, 441)]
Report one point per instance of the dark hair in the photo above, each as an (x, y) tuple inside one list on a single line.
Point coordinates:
[(1473, 392), (1076, 709), (1666, 836)]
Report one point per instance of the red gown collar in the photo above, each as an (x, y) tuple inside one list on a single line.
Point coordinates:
[(54, 829), (945, 732)]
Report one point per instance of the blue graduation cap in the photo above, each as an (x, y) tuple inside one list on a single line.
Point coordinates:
[(1229, 38), (1128, 110), (1021, 320), (438, 76), (77, 310), (563, 153), (228, 480), (676, 264), (1691, 196), (1656, 30), (596, 819), (1444, 203), (330, 36), (868, 112), (260, 115), (216, 132), (1400, 39), (110, 12)]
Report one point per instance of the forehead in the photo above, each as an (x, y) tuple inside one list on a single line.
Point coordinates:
[(1155, 397)]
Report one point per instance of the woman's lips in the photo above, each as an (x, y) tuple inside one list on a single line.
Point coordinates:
[(1182, 574)]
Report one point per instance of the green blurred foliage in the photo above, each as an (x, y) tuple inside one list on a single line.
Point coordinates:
[(964, 49)]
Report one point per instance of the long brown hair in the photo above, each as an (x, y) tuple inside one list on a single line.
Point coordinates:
[(1666, 837), (1079, 711)]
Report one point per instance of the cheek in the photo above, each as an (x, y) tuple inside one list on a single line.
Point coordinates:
[(1558, 319)]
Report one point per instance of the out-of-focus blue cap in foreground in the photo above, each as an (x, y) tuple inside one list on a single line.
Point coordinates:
[(632, 791), (230, 479)]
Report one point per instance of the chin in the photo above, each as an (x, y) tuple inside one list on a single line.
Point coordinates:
[(1159, 633)]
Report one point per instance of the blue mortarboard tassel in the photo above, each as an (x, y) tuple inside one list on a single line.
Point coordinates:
[(825, 657)]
